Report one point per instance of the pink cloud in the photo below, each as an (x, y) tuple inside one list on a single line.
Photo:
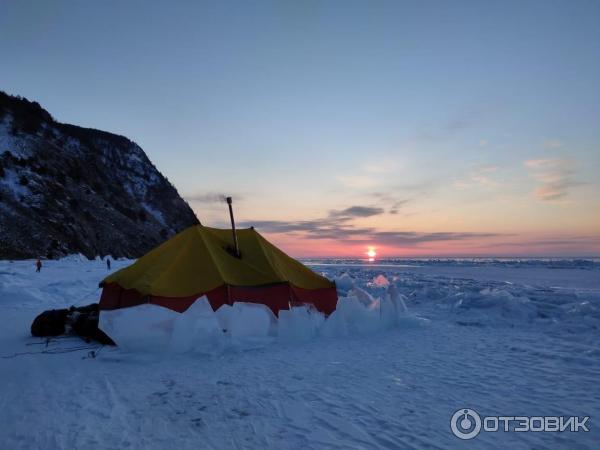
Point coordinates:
[(555, 177)]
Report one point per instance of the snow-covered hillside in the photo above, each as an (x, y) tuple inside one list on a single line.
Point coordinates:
[(502, 339), (66, 189)]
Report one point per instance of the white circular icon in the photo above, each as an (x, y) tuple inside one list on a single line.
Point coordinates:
[(465, 423)]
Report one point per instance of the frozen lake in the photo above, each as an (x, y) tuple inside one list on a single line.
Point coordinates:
[(503, 338)]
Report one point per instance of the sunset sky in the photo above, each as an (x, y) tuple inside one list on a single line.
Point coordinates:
[(418, 128)]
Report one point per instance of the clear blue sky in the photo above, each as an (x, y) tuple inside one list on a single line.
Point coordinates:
[(414, 127)]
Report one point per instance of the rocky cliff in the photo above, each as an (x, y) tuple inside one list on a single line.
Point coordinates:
[(66, 189)]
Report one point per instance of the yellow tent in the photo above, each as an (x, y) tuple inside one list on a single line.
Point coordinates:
[(199, 261)]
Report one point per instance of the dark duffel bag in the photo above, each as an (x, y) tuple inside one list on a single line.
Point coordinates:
[(85, 324), (50, 323)]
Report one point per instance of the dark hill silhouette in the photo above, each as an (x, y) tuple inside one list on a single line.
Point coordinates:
[(66, 189)]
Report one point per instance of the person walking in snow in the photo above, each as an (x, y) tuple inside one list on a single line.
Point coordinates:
[(38, 265), (107, 263)]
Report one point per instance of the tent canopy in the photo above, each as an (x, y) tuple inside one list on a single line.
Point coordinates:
[(197, 262)]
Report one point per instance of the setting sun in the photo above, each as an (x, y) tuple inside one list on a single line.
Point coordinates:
[(371, 253)]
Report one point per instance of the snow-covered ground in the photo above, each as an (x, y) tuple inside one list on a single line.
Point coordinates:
[(504, 338)]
